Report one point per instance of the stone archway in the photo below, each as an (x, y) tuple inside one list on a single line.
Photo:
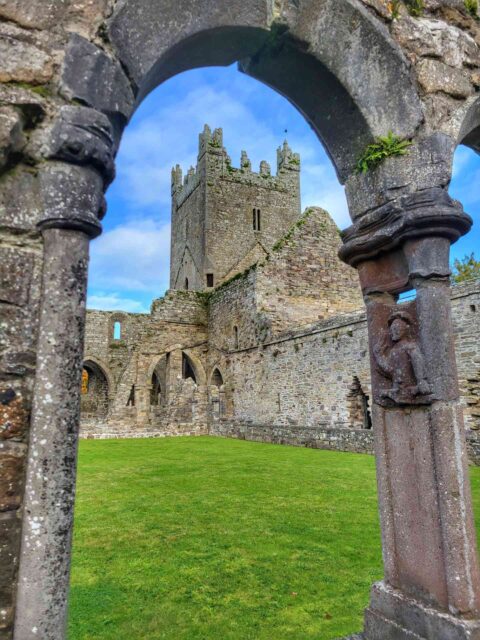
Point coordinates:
[(95, 391), (339, 63)]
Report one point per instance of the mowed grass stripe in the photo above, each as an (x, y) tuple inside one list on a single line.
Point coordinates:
[(213, 539)]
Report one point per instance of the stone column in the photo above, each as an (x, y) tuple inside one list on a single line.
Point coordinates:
[(72, 198), (431, 587)]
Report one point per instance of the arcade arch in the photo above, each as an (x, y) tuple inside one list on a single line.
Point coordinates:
[(352, 83)]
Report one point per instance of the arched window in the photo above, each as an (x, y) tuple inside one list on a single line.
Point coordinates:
[(256, 219), (217, 379), (117, 330), (187, 369), (235, 337), (186, 284)]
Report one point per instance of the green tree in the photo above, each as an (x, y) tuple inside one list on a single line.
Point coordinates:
[(468, 268)]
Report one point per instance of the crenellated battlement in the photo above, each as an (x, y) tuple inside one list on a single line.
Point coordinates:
[(214, 162)]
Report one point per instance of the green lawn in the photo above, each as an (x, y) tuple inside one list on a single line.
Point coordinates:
[(212, 539)]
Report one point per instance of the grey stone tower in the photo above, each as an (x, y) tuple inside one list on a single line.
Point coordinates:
[(223, 218)]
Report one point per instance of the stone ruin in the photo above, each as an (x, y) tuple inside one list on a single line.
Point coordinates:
[(271, 329), (72, 73)]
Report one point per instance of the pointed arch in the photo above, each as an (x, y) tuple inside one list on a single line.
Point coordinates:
[(197, 366)]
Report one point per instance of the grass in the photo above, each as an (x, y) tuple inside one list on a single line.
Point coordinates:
[(212, 539)]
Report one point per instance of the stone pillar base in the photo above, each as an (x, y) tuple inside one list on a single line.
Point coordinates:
[(394, 616)]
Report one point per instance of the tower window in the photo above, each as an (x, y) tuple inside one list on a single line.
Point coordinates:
[(235, 337), (117, 330), (186, 284), (256, 219), (209, 279)]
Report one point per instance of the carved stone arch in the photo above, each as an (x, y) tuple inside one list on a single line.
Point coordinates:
[(469, 131), (153, 365), (347, 60), (105, 370), (197, 366)]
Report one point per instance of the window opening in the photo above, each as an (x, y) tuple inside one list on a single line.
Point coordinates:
[(256, 219), (186, 284), (131, 397), (187, 369), (117, 330), (235, 337), (209, 279), (156, 390), (407, 296), (217, 379)]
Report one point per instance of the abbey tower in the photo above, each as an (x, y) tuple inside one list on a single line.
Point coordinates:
[(224, 219)]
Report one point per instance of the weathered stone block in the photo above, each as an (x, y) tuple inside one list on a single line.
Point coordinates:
[(19, 200), (23, 62), (13, 413), (434, 76), (436, 39), (11, 134), (83, 136), (91, 76), (38, 14), (15, 276), (12, 469)]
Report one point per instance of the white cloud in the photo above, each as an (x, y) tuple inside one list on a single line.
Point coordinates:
[(133, 257), (113, 302), (169, 135), (322, 189)]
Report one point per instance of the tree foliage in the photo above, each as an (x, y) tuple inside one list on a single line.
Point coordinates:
[(468, 268)]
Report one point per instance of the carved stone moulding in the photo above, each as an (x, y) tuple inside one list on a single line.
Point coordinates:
[(83, 136), (429, 212), (72, 198)]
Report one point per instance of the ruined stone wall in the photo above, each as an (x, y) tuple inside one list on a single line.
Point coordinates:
[(176, 324), (303, 280), (314, 437), (297, 386)]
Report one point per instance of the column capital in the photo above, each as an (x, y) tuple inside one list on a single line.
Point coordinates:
[(425, 213)]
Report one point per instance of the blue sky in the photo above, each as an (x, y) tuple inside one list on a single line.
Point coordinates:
[(130, 261)]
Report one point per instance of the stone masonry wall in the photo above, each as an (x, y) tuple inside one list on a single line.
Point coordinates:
[(294, 388), (212, 212), (176, 325)]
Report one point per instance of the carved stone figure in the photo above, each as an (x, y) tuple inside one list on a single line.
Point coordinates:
[(399, 358)]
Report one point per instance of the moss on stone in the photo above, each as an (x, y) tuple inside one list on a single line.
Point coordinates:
[(238, 276), (471, 7), (415, 7), (40, 89)]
